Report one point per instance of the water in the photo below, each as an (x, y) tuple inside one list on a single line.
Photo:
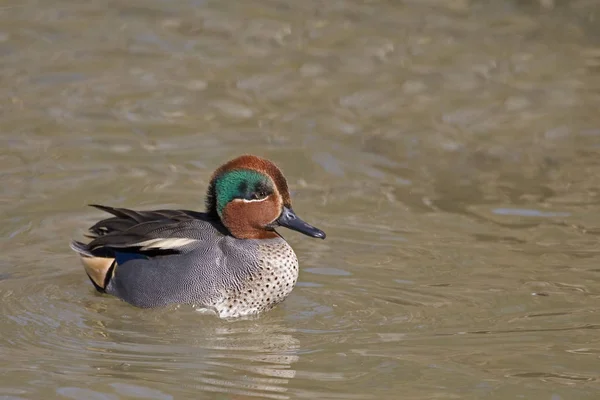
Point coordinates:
[(448, 148)]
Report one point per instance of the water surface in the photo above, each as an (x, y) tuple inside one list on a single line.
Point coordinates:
[(450, 150)]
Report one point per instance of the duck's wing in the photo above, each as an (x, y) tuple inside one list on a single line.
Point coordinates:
[(134, 235), (147, 233)]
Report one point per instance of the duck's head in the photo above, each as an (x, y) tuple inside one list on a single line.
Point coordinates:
[(250, 196)]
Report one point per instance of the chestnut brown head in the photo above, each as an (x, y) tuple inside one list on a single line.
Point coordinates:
[(251, 197)]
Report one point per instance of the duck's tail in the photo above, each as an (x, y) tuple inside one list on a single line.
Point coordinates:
[(99, 269)]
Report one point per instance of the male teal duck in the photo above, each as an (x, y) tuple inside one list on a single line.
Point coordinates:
[(228, 260)]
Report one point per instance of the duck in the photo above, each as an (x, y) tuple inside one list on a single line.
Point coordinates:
[(228, 260)]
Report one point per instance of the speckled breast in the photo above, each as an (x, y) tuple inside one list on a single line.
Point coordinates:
[(272, 282)]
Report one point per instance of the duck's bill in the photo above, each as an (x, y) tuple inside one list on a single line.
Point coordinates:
[(290, 220)]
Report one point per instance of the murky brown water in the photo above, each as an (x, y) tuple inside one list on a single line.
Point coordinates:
[(450, 149)]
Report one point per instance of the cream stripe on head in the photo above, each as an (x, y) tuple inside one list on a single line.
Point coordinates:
[(252, 201)]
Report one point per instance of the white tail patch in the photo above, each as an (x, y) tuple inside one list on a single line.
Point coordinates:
[(165, 243)]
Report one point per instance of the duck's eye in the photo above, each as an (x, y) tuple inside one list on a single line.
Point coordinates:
[(261, 194), (260, 191)]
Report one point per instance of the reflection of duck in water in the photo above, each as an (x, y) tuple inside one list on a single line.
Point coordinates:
[(229, 260), (263, 356), (174, 353)]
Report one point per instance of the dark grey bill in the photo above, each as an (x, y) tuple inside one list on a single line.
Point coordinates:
[(289, 219)]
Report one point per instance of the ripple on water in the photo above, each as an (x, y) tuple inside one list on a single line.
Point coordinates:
[(409, 128), (60, 325)]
